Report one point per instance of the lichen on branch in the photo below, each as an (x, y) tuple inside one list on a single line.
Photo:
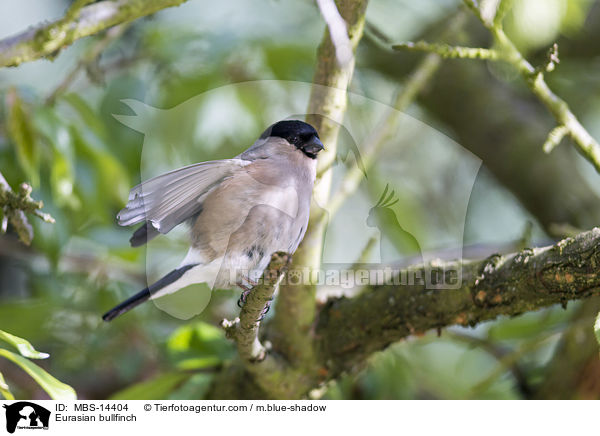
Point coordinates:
[(14, 205)]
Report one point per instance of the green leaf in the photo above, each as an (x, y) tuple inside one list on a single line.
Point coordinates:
[(198, 363), (154, 389), (573, 19), (4, 390), (53, 387), (22, 134), (62, 180), (86, 113), (111, 177), (194, 388), (529, 325), (199, 345), (24, 347), (55, 131)]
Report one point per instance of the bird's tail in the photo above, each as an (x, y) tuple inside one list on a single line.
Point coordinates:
[(127, 305), (146, 293)]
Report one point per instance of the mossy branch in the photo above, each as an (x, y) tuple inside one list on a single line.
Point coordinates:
[(244, 329), (266, 371), (351, 329), (48, 39), (14, 205)]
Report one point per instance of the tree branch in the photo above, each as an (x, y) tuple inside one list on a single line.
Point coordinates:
[(289, 371), (449, 51), (295, 312), (244, 329), (349, 330), (79, 21), (257, 371)]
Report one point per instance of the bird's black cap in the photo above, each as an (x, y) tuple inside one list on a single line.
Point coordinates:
[(298, 133)]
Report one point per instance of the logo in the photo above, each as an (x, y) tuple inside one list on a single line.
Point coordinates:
[(26, 415)]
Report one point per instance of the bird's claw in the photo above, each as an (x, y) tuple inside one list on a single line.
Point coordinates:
[(265, 310), (246, 284), (244, 297)]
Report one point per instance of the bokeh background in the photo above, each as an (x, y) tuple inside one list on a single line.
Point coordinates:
[(466, 163)]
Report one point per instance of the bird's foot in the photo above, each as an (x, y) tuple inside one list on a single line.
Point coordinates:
[(242, 300), (244, 296), (265, 310), (246, 284)]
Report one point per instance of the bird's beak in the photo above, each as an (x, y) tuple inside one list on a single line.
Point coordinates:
[(314, 146)]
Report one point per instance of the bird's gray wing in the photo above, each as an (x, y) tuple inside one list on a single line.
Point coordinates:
[(167, 200)]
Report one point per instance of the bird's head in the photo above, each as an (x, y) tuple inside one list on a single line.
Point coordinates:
[(301, 135)]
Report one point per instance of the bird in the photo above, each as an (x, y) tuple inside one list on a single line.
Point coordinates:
[(239, 211)]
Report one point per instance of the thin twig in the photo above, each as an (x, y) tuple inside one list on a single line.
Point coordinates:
[(554, 137), (87, 59), (534, 78), (450, 51)]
